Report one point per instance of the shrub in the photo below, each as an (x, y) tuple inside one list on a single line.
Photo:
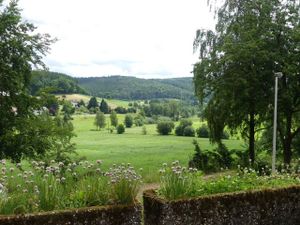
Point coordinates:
[(139, 120), (165, 127), (189, 131), (120, 129), (121, 110), (203, 132), (128, 121), (144, 130), (179, 131), (177, 181)]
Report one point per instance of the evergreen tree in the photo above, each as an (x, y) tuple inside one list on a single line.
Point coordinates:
[(93, 103), (104, 107)]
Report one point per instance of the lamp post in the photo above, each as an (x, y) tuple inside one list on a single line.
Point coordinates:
[(277, 75)]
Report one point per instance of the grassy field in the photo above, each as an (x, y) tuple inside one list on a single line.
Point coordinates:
[(113, 103), (142, 151)]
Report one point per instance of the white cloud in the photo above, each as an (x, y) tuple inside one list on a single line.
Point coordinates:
[(145, 38)]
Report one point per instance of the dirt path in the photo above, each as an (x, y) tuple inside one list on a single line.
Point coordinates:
[(146, 187)]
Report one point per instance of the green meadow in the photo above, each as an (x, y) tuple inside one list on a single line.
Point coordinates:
[(148, 151)]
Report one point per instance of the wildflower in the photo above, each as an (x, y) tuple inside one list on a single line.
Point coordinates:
[(99, 161), (11, 169)]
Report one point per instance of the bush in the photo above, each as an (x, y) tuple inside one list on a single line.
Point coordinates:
[(128, 121), (179, 131), (165, 127), (139, 120), (121, 110), (203, 132), (144, 130), (120, 129), (189, 131)]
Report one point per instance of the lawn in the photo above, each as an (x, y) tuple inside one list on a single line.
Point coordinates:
[(142, 151)]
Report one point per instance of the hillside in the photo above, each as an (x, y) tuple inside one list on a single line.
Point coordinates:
[(121, 87), (58, 83)]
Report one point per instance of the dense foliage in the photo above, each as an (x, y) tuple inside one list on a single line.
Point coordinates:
[(121, 87), (252, 40), (58, 83), (23, 131)]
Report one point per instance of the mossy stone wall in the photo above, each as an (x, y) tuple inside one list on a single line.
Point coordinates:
[(265, 207), (107, 215)]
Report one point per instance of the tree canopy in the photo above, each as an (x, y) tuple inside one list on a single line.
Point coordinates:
[(252, 40)]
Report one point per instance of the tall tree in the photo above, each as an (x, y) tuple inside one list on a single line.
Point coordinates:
[(20, 49), (113, 119), (93, 103), (236, 67), (286, 51), (100, 120)]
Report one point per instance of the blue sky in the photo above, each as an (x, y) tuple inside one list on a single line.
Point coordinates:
[(142, 38)]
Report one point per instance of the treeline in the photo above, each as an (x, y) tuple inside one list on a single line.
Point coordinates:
[(131, 88), (56, 83)]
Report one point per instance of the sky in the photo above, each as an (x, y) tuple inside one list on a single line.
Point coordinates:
[(141, 38)]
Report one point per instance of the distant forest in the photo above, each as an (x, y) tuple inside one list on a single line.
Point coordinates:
[(121, 87), (117, 87), (56, 83)]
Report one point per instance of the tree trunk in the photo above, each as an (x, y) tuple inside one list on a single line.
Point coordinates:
[(251, 138)]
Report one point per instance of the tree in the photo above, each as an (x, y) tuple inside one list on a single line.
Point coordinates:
[(20, 49), (128, 121), (100, 120), (165, 127), (286, 54), (104, 106), (236, 67), (93, 103), (113, 119), (68, 110)]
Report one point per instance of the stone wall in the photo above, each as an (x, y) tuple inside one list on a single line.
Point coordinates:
[(265, 207), (106, 215)]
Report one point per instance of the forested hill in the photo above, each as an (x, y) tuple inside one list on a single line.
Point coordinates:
[(121, 87), (58, 83)]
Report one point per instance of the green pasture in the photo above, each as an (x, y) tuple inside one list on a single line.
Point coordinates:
[(142, 151), (113, 103)]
